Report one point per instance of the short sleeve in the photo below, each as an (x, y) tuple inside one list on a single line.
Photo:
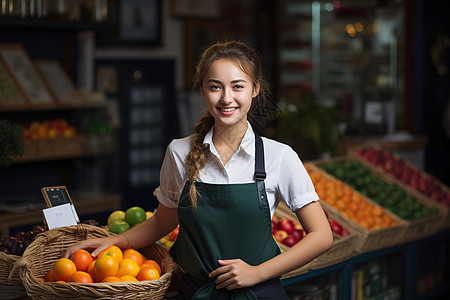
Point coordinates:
[(295, 185), (172, 174)]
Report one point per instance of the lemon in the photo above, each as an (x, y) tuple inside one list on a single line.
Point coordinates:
[(118, 215)]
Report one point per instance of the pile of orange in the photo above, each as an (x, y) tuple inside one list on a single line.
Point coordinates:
[(111, 265), (349, 203)]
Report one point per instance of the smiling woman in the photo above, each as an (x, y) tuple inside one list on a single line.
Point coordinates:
[(214, 181)]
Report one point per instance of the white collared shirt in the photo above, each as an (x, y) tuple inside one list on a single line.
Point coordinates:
[(287, 180)]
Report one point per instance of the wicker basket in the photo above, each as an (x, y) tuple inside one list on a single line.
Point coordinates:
[(40, 256), (7, 262), (10, 284)]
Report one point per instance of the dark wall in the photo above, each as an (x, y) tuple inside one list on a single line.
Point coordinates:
[(434, 93)]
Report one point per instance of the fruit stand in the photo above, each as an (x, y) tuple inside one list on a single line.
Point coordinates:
[(373, 214)]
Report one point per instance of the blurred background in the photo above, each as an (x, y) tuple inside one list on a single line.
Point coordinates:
[(343, 73)]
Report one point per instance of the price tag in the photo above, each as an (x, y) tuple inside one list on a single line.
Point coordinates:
[(59, 216)]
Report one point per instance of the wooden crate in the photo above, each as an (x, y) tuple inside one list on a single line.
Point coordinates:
[(445, 209), (415, 229), (341, 250), (30, 151), (59, 147), (367, 240)]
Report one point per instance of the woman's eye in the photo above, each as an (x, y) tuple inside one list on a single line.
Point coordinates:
[(214, 87), (238, 86)]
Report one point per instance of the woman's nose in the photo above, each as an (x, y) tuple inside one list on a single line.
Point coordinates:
[(226, 97)]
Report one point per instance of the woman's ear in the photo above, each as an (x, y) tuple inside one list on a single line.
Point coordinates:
[(256, 90)]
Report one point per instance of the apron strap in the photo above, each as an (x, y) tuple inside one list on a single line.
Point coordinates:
[(260, 171)]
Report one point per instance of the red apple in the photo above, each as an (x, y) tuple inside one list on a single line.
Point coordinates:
[(298, 234), (280, 235), (286, 225), (388, 165), (336, 227), (290, 240), (274, 226), (345, 232)]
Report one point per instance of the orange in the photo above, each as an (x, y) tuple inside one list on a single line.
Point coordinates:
[(134, 255), (63, 269), (90, 270), (128, 278), (112, 279), (152, 263), (128, 267), (114, 252), (50, 276), (80, 276), (105, 266), (147, 273), (82, 259)]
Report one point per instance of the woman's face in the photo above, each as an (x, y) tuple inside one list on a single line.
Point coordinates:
[(228, 92)]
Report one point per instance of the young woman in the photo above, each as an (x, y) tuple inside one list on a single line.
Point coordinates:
[(222, 185)]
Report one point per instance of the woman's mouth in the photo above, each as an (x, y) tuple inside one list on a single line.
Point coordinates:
[(227, 110)]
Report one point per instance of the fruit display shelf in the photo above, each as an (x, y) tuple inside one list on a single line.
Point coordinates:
[(407, 175), (66, 147), (422, 217), (367, 240), (341, 250)]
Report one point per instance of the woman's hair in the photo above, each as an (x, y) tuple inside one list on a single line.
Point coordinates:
[(249, 61)]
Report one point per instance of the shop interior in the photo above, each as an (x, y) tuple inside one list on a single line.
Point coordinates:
[(117, 76)]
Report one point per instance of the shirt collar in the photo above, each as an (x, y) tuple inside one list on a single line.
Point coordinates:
[(247, 143)]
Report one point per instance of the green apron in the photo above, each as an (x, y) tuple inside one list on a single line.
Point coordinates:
[(231, 221)]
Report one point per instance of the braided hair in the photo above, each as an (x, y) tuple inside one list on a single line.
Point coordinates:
[(249, 61)]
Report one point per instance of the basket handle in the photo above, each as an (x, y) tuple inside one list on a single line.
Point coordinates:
[(20, 264)]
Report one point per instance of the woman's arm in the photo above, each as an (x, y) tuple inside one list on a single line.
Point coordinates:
[(318, 239), (151, 230)]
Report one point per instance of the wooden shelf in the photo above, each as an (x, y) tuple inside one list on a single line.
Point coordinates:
[(65, 148), (53, 24)]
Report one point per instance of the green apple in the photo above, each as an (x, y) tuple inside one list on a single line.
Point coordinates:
[(118, 215), (119, 227), (135, 215)]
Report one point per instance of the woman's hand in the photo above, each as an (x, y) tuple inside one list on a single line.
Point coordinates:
[(234, 273), (96, 245)]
